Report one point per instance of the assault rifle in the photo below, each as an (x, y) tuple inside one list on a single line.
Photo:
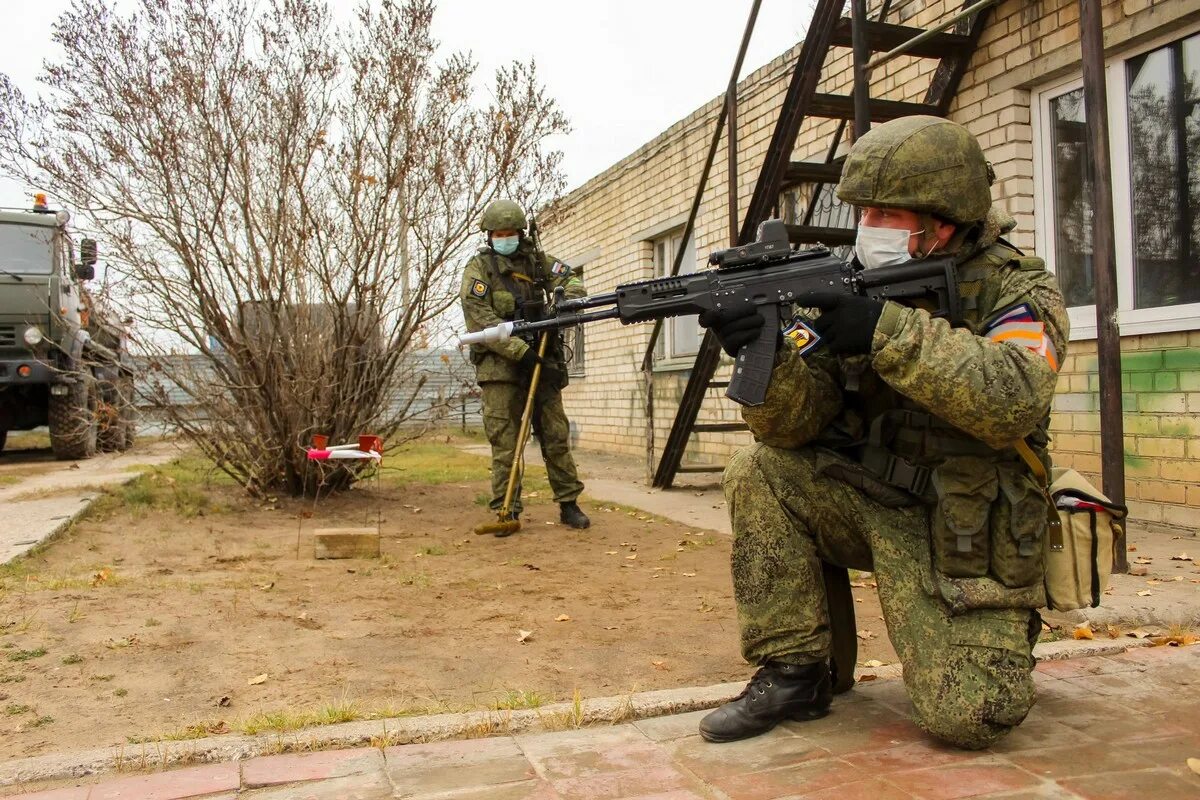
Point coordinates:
[(767, 273)]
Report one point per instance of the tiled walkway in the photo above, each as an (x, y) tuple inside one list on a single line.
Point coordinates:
[(1112, 728)]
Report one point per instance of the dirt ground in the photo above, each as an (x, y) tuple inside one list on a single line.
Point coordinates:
[(141, 623)]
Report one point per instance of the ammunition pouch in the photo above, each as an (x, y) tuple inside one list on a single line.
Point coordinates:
[(989, 519)]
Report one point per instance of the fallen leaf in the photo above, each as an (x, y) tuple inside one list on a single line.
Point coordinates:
[(610, 627), (1194, 765), (225, 701), (858, 599), (872, 663), (1140, 560), (610, 552), (523, 636), (688, 574), (1181, 557), (257, 679), (562, 618), (1153, 582), (1180, 640), (1145, 593), (101, 577), (1084, 631), (1137, 633), (865, 635), (1177, 578), (532, 567), (266, 587), (661, 665), (631, 557), (1113, 631), (868, 677)]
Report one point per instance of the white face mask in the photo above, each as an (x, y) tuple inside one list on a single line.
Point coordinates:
[(882, 247)]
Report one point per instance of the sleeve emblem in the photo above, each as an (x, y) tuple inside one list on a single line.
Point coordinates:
[(804, 337), (1019, 325), (560, 269), (479, 289)]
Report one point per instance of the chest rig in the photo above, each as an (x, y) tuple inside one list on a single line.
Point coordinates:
[(901, 444), (527, 291)]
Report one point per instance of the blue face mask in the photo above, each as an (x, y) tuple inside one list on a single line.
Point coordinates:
[(505, 245)]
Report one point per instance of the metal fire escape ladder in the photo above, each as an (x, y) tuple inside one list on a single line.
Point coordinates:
[(827, 29)]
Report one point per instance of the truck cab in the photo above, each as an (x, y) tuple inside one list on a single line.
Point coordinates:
[(61, 364)]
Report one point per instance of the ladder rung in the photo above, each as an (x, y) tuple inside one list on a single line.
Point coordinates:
[(812, 172), (841, 106), (813, 234), (884, 36), (719, 427), (718, 384), (701, 468)]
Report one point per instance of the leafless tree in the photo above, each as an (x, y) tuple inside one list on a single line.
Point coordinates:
[(282, 198)]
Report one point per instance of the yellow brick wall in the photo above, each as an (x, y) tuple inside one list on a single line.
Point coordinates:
[(1025, 44)]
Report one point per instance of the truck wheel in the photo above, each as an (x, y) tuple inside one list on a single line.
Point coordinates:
[(72, 420), (116, 419)]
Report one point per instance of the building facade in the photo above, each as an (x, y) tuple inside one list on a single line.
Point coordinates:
[(1022, 97)]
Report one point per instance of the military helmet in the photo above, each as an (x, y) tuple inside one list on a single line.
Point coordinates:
[(503, 215), (924, 164)]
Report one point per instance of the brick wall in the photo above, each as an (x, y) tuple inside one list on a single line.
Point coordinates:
[(1026, 44), (1160, 393)]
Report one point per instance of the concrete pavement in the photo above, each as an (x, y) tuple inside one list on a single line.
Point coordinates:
[(1105, 728), (39, 496)]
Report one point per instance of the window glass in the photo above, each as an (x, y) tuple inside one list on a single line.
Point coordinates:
[(26, 248), (1164, 145), (681, 335), (1071, 177)]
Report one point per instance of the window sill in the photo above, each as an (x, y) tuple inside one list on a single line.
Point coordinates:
[(675, 364), (1137, 322)]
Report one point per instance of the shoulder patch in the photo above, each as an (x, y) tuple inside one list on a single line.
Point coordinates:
[(560, 269), (803, 336), (479, 289), (1019, 325)]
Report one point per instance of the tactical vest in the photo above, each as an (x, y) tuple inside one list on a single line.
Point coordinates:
[(989, 514)]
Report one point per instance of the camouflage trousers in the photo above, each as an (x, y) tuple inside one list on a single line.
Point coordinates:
[(969, 676), (502, 407)]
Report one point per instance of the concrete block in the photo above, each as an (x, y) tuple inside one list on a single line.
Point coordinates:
[(346, 543)]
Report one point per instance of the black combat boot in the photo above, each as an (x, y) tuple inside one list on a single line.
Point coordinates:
[(775, 693), (571, 514)]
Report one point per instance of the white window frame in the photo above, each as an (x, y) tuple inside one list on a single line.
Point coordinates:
[(1132, 321), (665, 355)]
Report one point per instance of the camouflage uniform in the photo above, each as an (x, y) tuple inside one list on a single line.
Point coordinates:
[(494, 289), (900, 462)]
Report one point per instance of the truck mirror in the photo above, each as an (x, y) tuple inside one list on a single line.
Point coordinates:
[(87, 253), (85, 272)]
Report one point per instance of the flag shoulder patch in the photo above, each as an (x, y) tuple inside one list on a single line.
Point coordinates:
[(1020, 325)]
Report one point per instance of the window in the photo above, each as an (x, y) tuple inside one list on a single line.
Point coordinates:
[(681, 336), (1154, 124), (27, 248)]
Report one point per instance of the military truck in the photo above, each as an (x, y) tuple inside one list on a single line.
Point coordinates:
[(62, 364)]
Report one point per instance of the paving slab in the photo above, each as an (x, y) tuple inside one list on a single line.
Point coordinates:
[(1113, 727)]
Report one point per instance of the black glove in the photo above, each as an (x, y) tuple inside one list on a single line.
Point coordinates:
[(735, 326), (847, 322), (550, 370)]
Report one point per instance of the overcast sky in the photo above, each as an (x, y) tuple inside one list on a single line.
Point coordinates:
[(622, 70)]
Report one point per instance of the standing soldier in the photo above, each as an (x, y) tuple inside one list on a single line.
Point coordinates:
[(905, 446), (509, 279)]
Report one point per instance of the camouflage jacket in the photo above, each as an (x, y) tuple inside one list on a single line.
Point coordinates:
[(950, 401), (497, 289)]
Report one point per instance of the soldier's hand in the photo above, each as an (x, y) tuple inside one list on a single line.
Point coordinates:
[(847, 322), (735, 327), (550, 370)]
